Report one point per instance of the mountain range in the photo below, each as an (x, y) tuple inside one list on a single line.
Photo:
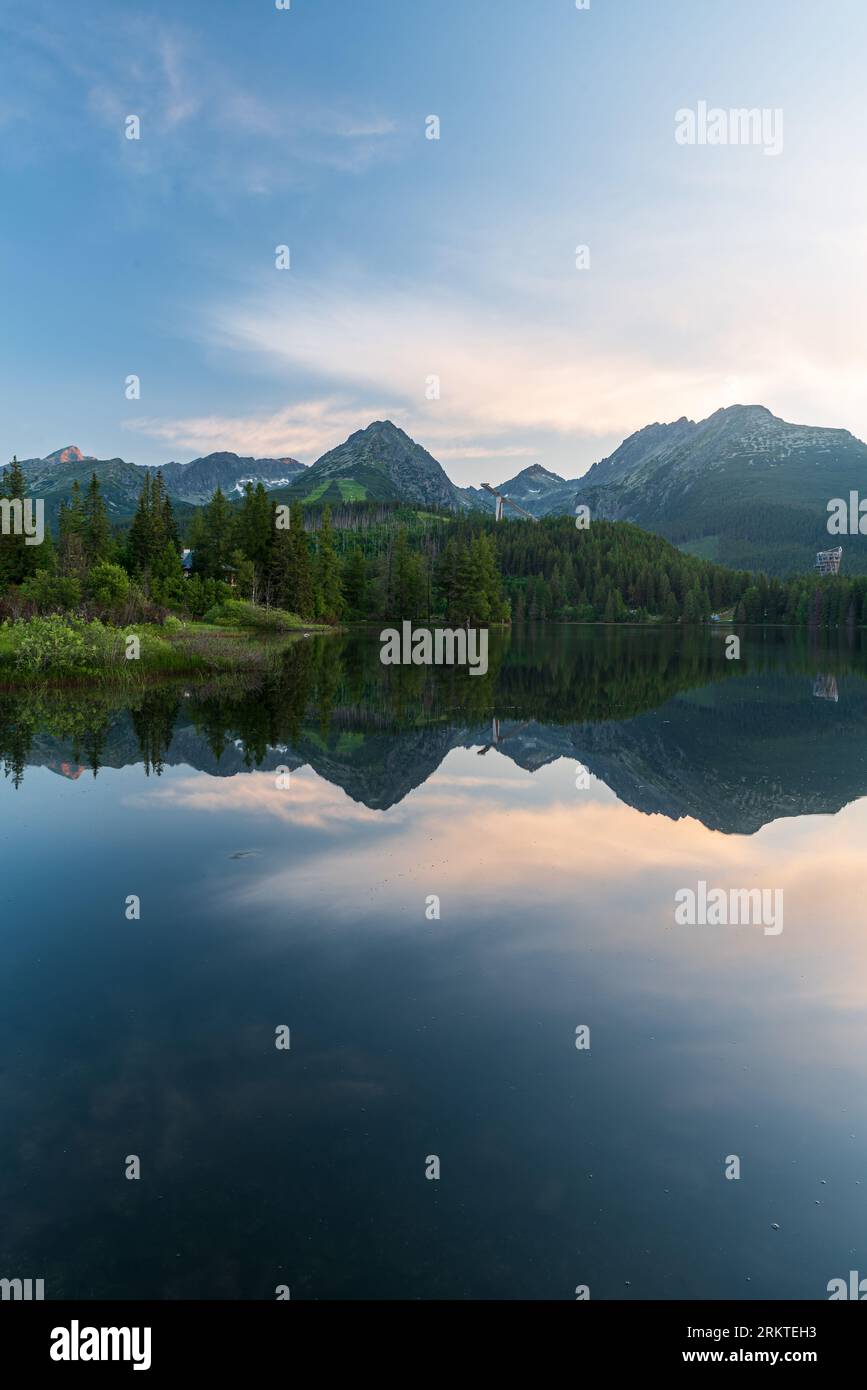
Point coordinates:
[(188, 484), (196, 482), (743, 487)]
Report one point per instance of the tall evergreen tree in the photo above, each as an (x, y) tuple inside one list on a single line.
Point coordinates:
[(279, 567), (213, 548), (304, 596), (96, 532), (290, 570), (165, 529), (255, 527), (329, 591), (355, 583), (18, 560), (140, 540), (71, 531)]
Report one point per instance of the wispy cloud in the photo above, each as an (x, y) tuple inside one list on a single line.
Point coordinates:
[(522, 375), (507, 385), (198, 116), (360, 129), (514, 382), (304, 430), (713, 281)]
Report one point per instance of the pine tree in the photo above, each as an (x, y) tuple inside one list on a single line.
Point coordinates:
[(214, 539), (692, 606), (152, 547), (255, 525), (290, 571), (446, 576), (165, 529), (490, 581), (304, 597), (140, 540), (73, 557), (18, 560), (329, 593), (245, 574), (355, 583), (407, 596), (279, 568), (476, 598), (96, 532)]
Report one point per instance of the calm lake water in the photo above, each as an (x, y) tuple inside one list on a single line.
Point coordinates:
[(301, 898)]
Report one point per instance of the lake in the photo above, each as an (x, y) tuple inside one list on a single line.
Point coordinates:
[(421, 884)]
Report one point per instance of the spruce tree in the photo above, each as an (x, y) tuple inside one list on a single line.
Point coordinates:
[(254, 526), (140, 541), (329, 592), (278, 567), (73, 557), (96, 532), (18, 560), (214, 538), (165, 529), (355, 583), (303, 592)]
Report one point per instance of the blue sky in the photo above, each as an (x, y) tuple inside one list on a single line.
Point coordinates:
[(716, 275)]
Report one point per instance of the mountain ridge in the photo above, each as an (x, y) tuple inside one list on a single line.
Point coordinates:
[(379, 463), (197, 480), (742, 487)]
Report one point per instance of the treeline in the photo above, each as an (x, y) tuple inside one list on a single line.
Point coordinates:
[(833, 601), (259, 550), (141, 575), (387, 561), (609, 572), (319, 573)]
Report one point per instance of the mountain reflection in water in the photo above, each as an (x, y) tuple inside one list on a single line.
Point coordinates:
[(662, 718)]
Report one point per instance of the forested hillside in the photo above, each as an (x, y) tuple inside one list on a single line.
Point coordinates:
[(380, 560)]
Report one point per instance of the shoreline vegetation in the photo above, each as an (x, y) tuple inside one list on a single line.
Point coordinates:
[(69, 648), (124, 605)]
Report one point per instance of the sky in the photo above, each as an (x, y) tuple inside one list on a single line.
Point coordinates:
[(714, 274)]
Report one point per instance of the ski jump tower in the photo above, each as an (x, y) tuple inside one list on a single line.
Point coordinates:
[(501, 499)]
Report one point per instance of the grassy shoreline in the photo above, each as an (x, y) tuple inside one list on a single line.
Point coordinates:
[(62, 649)]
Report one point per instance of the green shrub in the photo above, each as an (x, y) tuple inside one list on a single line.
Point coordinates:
[(108, 584), (65, 644), (51, 592), (200, 595), (238, 613)]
